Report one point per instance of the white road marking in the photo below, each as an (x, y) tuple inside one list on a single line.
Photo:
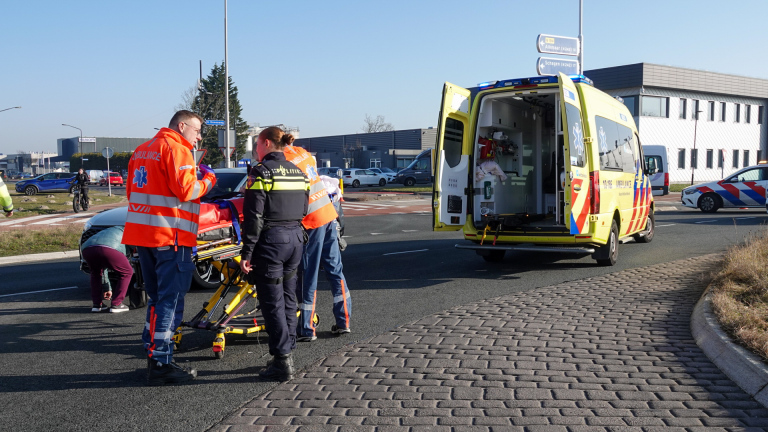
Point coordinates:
[(377, 233), (27, 219), (705, 221), (740, 218), (405, 252), (410, 230), (665, 208), (657, 226), (35, 292)]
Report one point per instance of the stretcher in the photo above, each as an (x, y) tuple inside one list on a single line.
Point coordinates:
[(224, 314)]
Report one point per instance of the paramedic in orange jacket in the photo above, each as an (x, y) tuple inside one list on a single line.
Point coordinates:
[(322, 248), (163, 209)]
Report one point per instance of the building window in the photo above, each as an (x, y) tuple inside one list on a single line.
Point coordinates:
[(760, 114), (746, 158), (683, 108), (696, 110), (694, 158), (737, 115), (631, 103), (748, 113), (735, 158), (722, 111), (681, 158), (721, 158), (652, 106), (710, 158), (711, 111), (374, 163)]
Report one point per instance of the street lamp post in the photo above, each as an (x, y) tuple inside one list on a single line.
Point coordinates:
[(80, 144), (693, 153)]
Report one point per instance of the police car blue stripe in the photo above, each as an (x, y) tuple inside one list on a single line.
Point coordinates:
[(729, 196), (753, 195)]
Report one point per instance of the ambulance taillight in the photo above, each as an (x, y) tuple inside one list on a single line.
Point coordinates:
[(594, 193), (666, 179)]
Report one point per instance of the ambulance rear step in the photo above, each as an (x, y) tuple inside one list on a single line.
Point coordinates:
[(530, 247)]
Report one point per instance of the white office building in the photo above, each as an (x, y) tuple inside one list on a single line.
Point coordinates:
[(730, 132)]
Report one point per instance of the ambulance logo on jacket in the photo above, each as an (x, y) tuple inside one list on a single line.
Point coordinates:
[(140, 177)]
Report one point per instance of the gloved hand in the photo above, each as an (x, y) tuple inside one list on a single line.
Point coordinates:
[(205, 169)]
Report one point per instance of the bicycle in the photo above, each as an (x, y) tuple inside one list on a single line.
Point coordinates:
[(79, 202)]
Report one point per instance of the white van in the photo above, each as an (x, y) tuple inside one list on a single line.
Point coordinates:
[(94, 176), (657, 162)]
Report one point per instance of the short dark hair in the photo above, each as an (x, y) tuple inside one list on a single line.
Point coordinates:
[(181, 116)]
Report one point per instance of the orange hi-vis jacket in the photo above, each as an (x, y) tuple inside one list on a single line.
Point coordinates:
[(164, 193), (321, 210)]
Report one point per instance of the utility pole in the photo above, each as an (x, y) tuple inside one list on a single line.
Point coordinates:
[(581, 38), (226, 85)]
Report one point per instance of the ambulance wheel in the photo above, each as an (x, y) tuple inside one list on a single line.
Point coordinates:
[(494, 255), (647, 235), (709, 202), (607, 255)]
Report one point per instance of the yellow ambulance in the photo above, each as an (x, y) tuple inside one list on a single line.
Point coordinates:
[(547, 164)]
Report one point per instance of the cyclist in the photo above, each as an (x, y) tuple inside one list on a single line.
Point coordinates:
[(81, 179)]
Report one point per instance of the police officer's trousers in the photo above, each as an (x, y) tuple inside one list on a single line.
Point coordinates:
[(275, 261), (323, 248), (167, 276)]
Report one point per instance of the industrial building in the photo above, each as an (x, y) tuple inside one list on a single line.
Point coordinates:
[(728, 133)]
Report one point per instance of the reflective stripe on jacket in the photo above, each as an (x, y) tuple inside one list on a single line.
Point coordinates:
[(321, 210), (164, 193), (5, 197)]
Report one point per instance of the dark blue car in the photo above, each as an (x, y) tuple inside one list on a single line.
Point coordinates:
[(47, 182)]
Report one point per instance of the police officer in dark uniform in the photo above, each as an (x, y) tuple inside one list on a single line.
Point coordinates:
[(276, 199), (81, 179)]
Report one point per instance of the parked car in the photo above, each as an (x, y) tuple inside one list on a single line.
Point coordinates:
[(386, 172), (744, 188), (357, 177), (115, 179), (334, 172), (46, 182), (26, 175), (419, 171)]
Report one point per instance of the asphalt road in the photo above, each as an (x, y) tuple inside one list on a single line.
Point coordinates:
[(64, 368)]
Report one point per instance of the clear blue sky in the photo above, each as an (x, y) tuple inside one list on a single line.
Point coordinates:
[(118, 68)]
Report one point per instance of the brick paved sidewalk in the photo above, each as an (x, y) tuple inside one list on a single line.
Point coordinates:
[(608, 353)]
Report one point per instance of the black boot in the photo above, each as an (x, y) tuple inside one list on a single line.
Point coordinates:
[(161, 374), (280, 368)]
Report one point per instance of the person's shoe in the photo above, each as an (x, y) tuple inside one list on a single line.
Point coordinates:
[(162, 374), (340, 330), (306, 338), (99, 307), (280, 368), (118, 308)]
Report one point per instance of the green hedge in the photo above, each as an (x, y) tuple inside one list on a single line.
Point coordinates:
[(118, 161)]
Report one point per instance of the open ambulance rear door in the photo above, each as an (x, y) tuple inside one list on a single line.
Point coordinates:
[(449, 193), (577, 199)]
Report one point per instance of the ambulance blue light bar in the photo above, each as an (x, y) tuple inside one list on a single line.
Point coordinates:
[(532, 81)]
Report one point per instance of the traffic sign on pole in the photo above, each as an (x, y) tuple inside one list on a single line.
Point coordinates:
[(551, 66), (107, 152), (214, 122), (558, 45)]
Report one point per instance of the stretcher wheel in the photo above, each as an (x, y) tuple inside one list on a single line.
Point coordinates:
[(218, 346)]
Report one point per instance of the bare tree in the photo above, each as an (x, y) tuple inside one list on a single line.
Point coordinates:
[(376, 125), (187, 99)]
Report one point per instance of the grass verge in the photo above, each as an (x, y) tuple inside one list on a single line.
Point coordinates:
[(740, 294), (53, 239), (677, 187), (46, 203)]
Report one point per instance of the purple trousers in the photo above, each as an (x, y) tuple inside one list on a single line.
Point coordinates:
[(100, 258)]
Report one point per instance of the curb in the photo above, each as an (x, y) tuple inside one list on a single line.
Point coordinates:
[(743, 367), (16, 259)]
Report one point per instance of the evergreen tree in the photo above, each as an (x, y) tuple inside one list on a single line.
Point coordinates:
[(209, 103)]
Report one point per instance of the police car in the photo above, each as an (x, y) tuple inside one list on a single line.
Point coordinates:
[(744, 188)]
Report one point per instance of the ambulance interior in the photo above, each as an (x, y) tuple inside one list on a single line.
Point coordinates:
[(518, 170)]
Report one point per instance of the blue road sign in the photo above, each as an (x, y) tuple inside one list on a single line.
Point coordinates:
[(214, 122), (551, 66)]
